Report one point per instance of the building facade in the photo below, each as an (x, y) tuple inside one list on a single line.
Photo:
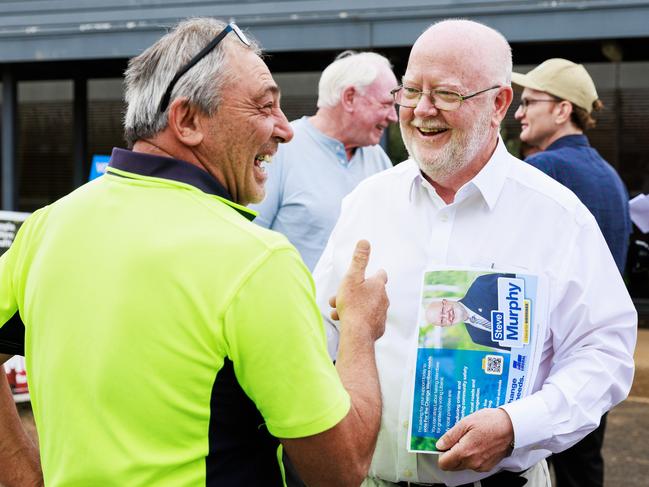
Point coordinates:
[(62, 63)]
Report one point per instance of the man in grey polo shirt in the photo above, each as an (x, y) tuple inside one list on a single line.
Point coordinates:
[(331, 152)]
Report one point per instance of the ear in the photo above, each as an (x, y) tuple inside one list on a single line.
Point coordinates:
[(186, 122), (502, 101), (562, 112), (347, 98)]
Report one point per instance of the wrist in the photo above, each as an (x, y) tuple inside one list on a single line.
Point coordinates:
[(356, 333)]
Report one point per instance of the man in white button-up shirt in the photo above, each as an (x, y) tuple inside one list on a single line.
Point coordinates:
[(463, 200)]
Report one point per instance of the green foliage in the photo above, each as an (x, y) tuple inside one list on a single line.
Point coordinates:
[(461, 279), (423, 443)]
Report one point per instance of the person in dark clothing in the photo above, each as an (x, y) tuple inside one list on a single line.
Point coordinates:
[(556, 108)]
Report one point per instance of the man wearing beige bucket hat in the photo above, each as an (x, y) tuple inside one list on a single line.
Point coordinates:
[(556, 108)]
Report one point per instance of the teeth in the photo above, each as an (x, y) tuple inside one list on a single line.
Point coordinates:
[(427, 130), (264, 158)]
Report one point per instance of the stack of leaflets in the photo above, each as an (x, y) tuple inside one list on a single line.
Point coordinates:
[(479, 343)]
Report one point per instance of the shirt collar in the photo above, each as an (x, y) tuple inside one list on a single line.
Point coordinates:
[(569, 141), (491, 178), (175, 170), (334, 145), (489, 181)]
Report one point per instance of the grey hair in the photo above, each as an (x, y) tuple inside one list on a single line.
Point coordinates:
[(149, 74), (357, 69)]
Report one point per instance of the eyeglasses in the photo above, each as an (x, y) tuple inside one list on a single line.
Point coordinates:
[(526, 102), (231, 27), (443, 315), (448, 101)]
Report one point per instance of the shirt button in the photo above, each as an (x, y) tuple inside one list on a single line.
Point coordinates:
[(407, 473), (405, 425), (443, 217)]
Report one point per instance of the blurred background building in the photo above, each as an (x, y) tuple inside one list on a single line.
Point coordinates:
[(62, 63)]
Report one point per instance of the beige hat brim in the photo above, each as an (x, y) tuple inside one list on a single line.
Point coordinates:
[(525, 81)]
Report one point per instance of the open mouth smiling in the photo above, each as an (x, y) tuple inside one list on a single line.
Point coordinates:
[(431, 131), (267, 158)]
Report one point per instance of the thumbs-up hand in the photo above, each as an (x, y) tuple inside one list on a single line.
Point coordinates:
[(362, 302)]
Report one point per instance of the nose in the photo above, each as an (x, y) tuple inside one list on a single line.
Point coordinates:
[(283, 130), (392, 116), (425, 107), (443, 314), (519, 113)]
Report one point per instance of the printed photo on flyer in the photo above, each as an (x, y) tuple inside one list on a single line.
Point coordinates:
[(476, 347)]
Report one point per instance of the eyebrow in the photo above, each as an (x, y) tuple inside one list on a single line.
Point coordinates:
[(448, 85), (273, 89)]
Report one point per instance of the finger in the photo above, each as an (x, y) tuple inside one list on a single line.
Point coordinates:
[(334, 315), (382, 276), (450, 460), (332, 301), (361, 257), (451, 437)]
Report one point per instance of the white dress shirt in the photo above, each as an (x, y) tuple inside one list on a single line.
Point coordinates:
[(510, 217)]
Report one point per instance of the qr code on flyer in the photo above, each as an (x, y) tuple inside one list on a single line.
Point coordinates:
[(493, 364)]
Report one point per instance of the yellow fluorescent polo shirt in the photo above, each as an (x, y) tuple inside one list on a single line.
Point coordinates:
[(168, 339)]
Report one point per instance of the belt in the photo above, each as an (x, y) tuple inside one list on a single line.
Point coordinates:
[(504, 478)]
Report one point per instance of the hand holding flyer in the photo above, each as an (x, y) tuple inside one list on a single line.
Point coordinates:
[(478, 442), (476, 347)]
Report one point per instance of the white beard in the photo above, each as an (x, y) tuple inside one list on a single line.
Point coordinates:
[(455, 155)]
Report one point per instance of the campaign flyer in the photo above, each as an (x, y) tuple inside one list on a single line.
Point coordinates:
[(477, 344)]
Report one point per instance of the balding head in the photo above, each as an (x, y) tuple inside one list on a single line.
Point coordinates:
[(482, 53)]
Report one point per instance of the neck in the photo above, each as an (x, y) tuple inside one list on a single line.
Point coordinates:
[(162, 145), (333, 123), (150, 147), (464, 311), (159, 145), (563, 131)]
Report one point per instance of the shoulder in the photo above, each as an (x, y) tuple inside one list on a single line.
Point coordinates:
[(400, 176), (258, 240), (302, 133), (377, 155), (24, 236), (545, 159), (372, 191), (541, 192), (293, 153)]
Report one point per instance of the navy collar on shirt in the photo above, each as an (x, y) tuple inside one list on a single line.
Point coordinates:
[(569, 141), (173, 169)]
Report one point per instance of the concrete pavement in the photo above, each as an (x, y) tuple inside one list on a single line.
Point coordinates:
[(626, 445), (641, 380)]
